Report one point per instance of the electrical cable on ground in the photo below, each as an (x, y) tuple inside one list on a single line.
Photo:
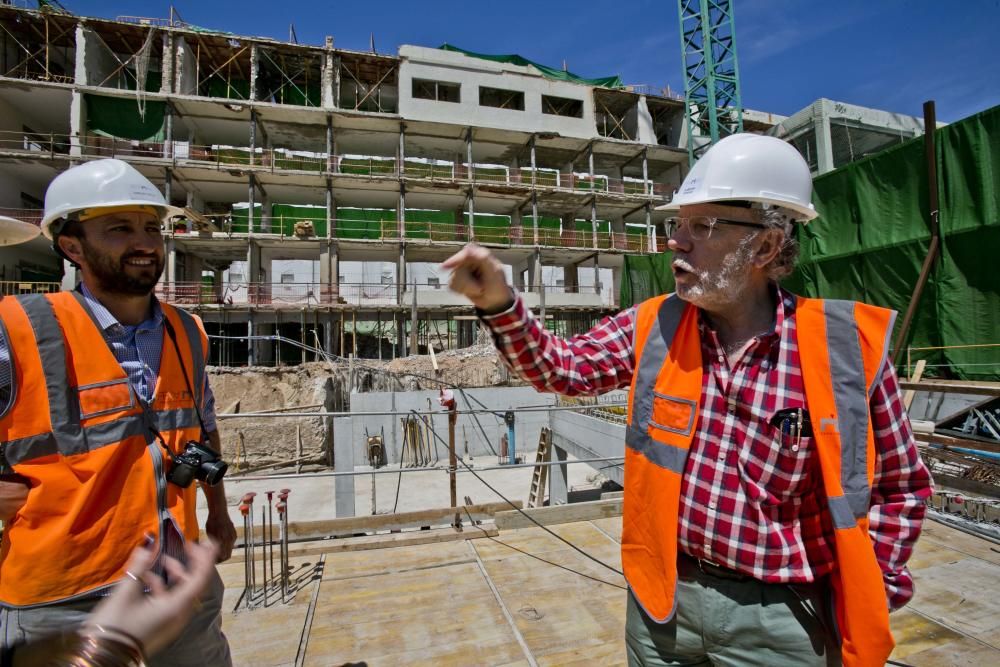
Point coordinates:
[(531, 555), (528, 516)]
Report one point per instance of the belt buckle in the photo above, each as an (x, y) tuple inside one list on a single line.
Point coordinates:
[(716, 570)]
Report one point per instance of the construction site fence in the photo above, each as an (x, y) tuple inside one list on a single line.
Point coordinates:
[(309, 294), (279, 159)]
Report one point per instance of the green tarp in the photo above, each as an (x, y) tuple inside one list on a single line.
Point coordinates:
[(119, 117), (872, 237), (490, 228), (548, 72)]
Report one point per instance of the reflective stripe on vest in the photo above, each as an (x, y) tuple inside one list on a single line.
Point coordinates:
[(841, 359), (843, 346), (77, 431)]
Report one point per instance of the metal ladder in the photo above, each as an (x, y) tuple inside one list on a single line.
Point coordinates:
[(541, 475)]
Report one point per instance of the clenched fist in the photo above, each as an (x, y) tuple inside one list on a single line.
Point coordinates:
[(479, 276)]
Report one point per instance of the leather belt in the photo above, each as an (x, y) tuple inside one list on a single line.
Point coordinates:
[(715, 570)]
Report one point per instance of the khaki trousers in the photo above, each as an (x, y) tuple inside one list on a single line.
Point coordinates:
[(727, 623)]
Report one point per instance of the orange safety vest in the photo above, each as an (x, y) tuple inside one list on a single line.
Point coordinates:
[(842, 346), (78, 432)]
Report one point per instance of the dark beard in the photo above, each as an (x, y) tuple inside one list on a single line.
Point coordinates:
[(112, 277)]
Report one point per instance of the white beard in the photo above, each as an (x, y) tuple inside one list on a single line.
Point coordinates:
[(723, 286)]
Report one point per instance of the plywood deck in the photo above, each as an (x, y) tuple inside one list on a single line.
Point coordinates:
[(492, 601)]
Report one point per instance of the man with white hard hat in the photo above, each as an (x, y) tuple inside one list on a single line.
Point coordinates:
[(773, 490), (106, 419)]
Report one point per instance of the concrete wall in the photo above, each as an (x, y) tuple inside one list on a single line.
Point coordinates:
[(184, 67), (10, 120), (527, 425), (588, 437), (97, 58), (437, 65)]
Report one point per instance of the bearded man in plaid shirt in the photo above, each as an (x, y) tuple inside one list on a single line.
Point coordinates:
[(773, 489)]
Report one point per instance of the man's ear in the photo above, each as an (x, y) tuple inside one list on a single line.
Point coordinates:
[(769, 246), (72, 248)]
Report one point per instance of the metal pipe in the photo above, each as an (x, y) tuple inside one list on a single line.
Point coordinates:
[(393, 471), (403, 413), (930, 156), (452, 462)]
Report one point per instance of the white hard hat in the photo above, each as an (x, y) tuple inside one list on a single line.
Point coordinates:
[(13, 231), (749, 167), (100, 184)]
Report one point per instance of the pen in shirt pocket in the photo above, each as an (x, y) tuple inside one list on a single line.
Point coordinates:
[(794, 425)]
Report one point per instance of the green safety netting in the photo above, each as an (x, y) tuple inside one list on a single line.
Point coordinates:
[(422, 223), (119, 117), (603, 230), (548, 72), (241, 218), (233, 89), (490, 228), (365, 223), (872, 236)]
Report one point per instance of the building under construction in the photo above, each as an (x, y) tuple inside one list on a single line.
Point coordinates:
[(322, 187)]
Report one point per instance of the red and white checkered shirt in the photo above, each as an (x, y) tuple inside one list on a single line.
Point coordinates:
[(746, 502)]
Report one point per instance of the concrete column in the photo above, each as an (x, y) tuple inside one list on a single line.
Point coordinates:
[(331, 210), (80, 64), (597, 277), (515, 223), (401, 151), (336, 81), (571, 278), (650, 232), (401, 211), (168, 132), (328, 70), (251, 343), (329, 270), (647, 186), (330, 149), (251, 194), (517, 273), (824, 146), (77, 126), (343, 458), (616, 285), (471, 209), (558, 478), (170, 265), (217, 285), (168, 183), (253, 136), (534, 165), (166, 84), (468, 154), (254, 65), (593, 218), (401, 275), (535, 270), (534, 213)]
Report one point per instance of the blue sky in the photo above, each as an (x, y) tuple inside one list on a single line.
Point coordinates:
[(887, 54)]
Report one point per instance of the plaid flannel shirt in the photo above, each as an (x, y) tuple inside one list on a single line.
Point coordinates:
[(747, 502)]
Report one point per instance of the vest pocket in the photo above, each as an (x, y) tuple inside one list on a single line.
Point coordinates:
[(105, 397), (673, 414)]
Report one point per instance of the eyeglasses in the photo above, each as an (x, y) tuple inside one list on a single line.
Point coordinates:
[(700, 226)]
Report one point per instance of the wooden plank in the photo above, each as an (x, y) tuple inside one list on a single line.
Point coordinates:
[(954, 387), (554, 514), (380, 541), (918, 373), (309, 530)]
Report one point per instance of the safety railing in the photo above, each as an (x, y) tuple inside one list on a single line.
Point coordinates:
[(34, 143), (14, 287), (306, 294), (365, 166)]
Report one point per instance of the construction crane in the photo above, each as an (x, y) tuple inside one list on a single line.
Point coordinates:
[(711, 73)]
